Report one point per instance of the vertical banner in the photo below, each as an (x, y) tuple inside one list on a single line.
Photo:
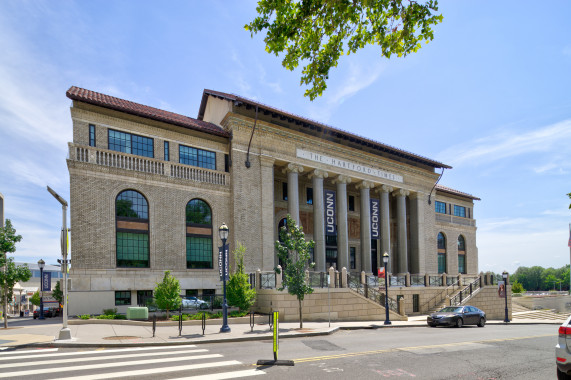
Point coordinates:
[(501, 289), (330, 218), (47, 281), (220, 262), (375, 219)]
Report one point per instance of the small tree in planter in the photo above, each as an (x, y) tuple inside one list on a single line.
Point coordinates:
[(240, 293), (293, 251), (167, 293)]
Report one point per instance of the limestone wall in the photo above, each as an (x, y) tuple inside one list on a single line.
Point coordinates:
[(488, 300)]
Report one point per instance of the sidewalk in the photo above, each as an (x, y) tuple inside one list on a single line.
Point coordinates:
[(28, 332)]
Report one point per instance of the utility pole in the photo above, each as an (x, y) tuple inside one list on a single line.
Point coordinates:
[(4, 290)]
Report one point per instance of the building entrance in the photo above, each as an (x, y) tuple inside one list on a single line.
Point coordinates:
[(374, 264)]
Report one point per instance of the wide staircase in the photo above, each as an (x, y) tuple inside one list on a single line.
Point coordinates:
[(522, 312)]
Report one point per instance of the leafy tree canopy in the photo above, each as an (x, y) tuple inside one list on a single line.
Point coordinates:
[(57, 293), (35, 298), (320, 31), (13, 275), (8, 238), (167, 293), (240, 293)]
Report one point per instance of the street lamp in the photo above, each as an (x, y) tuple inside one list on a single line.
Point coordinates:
[(385, 262), (41, 264), (65, 332), (505, 276), (223, 233)]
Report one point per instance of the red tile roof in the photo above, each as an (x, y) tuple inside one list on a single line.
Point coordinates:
[(132, 108), (448, 190)]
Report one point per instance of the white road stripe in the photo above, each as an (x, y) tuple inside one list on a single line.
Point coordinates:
[(39, 351), (225, 375), (97, 358), (150, 371), (41, 354), (104, 365)]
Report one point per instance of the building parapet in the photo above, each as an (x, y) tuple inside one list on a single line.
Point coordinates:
[(455, 220)]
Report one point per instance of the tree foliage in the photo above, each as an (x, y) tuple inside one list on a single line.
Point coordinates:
[(538, 278), (293, 251), (8, 238), (14, 274), (569, 195), (35, 298), (57, 293), (320, 31), (517, 288), (240, 293), (167, 293)]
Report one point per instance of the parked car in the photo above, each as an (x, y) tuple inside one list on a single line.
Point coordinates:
[(457, 316), (194, 303), (562, 351), (49, 312)]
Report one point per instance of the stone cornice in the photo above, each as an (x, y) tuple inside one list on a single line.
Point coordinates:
[(318, 173), (365, 185), (342, 179)]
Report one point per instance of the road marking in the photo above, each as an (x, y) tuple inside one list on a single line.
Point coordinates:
[(387, 350), (39, 351), (105, 365), (225, 375), (151, 371)]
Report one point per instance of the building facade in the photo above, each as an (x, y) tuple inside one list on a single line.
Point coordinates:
[(149, 189)]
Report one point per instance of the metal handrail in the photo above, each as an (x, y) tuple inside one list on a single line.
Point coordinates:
[(318, 279), (417, 280), (439, 296), (371, 292), (465, 294)]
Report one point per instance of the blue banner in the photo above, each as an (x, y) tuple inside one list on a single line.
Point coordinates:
[(220, 262), (47, 281), (375, 219), (330, 225)]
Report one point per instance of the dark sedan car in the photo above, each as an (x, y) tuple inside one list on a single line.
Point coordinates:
[(457, 316), (49, 312)]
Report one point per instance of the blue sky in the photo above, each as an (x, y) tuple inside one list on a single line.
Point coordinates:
[(489, 96)]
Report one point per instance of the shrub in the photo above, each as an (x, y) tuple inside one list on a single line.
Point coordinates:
[(110, 311), (237, 313), (84, 316), (239, 292), (105, 316)]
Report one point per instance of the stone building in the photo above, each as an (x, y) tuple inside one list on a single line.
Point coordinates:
[(149, 189)]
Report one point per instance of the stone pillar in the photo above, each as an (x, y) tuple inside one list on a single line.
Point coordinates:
[(293, 190), (258, 279), (385, 225), (417, 251), (363, 277), (318, 219), (331, 277), (342, 229), (343, 280), (269, 256), (279, 277), (365, 226), (402, 256)]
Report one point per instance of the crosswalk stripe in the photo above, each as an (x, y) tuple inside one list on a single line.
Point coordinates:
[(41, 354), (39, 351), (225, 375), (151, 371), (97, 358), (104, 365)]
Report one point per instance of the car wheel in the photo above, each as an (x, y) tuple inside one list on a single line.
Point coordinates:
[(459, 322), (562, 375), (35, 317), (482, 322)]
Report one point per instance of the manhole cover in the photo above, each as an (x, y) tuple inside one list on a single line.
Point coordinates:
[(120, 337)]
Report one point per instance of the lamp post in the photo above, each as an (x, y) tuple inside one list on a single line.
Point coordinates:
[(65, 332), (223, 232), (41, 264), (505, 276), (385, 262)]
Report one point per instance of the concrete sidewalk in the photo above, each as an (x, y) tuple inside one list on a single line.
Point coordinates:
[(27, 332)]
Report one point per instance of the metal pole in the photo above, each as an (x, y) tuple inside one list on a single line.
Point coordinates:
[(225, 328), (41, 293), (506, 319), (4, 290), (387, 320)]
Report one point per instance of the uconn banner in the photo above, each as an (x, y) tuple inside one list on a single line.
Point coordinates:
[(329, 197), (374, 219)]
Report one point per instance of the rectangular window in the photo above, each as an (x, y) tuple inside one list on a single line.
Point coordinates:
[(460, 211), (226, 163), (309, 193), (144, 297), (167, 153), (284, 191), (352, 257), (122, 298), (91, 135), (441, 263), (351, 203), (415, 303), (440, 207), (462, 264), (197, 157), (130, 143), (191, 292), (132, 250), (198, 252)]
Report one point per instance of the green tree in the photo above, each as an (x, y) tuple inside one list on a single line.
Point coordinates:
[(8, 240), (13, 274), (35, 298), (239, 292), (517, 288), (124, 207), (57, 293), (167, 293), (293, 251), (320, 31), (569, 195)]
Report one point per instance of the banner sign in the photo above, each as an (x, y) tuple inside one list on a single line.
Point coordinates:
[(501, 289), (220, 263), (329, 196), (47, 281), (375, 219)]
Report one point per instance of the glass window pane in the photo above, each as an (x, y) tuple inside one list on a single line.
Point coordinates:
[(91, 135), (461, 263), (132, 250), (441, 241), (197, 157), (461, 243), (440, 207), (198, 252), (460, 211), (132, 204), (441, 263), (198, 212)]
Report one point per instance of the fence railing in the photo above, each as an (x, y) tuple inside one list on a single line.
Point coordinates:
[(268, 280), (318, 279), (397, 280), (417, 280), (371, 292), (466, 293), (439, 298)]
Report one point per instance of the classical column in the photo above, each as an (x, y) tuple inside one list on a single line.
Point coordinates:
[(417, 204), (269, 258), (402, 262), (293, 190), (365, 226), (318, 219), (342, 231), (385, 224)]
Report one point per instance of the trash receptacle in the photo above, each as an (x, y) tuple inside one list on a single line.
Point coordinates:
[(21, 314)]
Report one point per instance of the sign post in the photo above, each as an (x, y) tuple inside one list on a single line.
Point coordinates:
[(276, 340)]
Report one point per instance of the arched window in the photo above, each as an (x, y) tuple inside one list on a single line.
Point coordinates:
[(461, 254), (198, 235), (441, 253), (281, 224), (132, 227)]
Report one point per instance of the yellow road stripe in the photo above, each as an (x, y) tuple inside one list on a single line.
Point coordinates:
[(351, 354)]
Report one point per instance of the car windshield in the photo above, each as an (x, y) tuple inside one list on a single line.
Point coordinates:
[(451, 309)]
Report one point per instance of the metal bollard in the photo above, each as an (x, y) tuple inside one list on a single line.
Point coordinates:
[(154, 324), (203, 322), (180, 321), (252, 317), (271, 321)]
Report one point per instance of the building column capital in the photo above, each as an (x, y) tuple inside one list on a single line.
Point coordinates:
[(267, 161), (365, 185), (342, 179), (400, 193), (293, 168), (416, 195), (318, 173), (384, 189)]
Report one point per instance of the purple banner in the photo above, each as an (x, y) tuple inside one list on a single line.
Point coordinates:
[(375, 219), (47, 281), (329, 199)]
